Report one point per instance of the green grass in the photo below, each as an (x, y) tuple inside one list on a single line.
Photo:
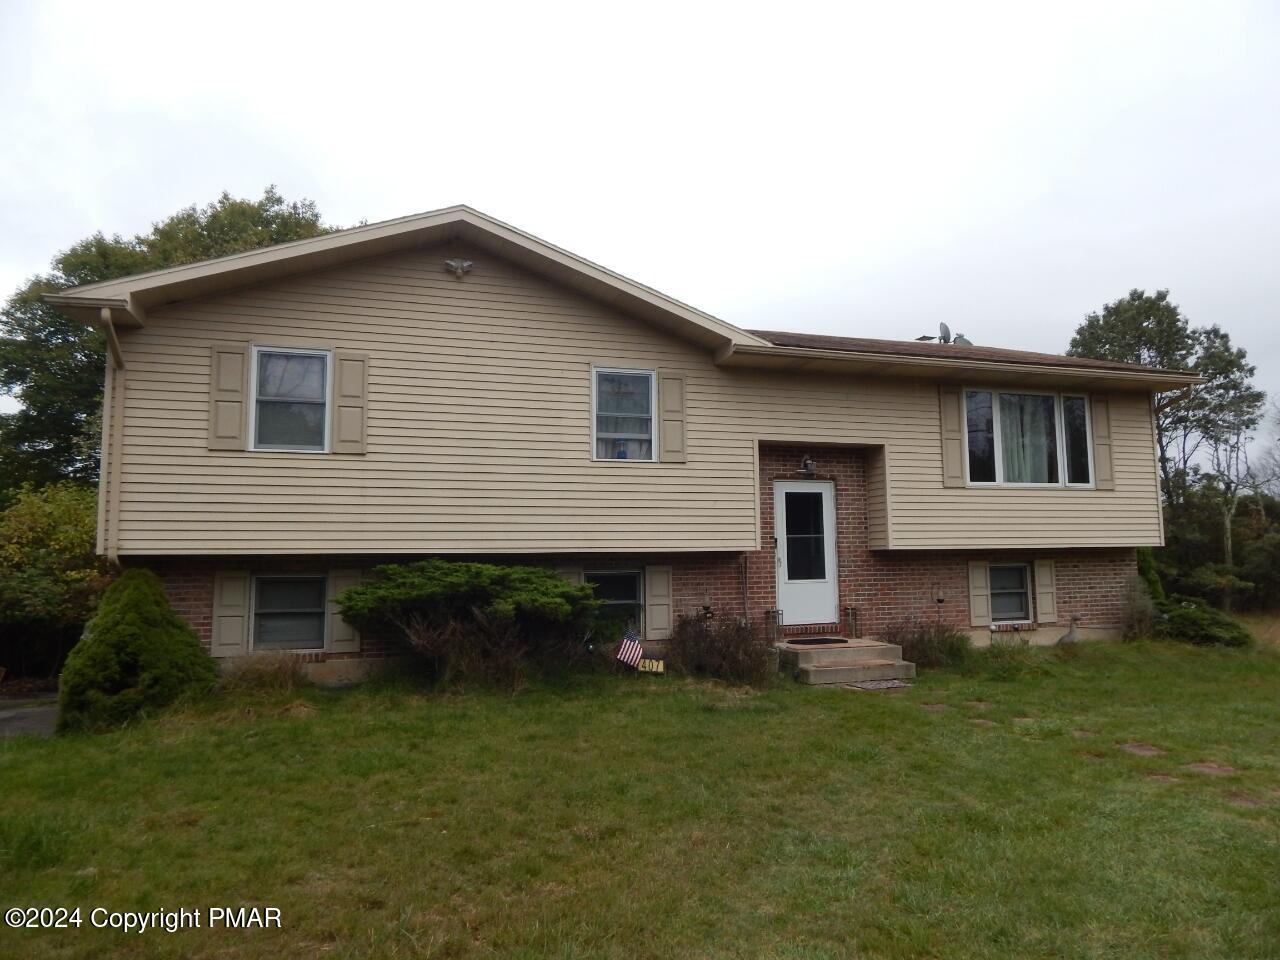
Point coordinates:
[(650, 817)]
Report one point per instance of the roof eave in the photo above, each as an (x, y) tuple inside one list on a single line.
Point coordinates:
[(140, 292), (949, 368)]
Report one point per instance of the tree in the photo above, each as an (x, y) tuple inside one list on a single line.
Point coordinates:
[(1150, 329), (1203, 433), (50, 576), (54, 365)]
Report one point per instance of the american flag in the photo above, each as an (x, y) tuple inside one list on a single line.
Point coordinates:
[(629, 651)]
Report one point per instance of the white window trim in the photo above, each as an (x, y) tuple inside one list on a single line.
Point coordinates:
[(638, 574), (653, 412), (253, 610), (253, 395), (1059, 430), (1031, 590)]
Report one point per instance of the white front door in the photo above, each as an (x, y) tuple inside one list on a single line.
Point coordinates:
[(805, 528)]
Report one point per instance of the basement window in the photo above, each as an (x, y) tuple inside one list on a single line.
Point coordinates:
[(288, 613), (1010, 592), (622, 596)]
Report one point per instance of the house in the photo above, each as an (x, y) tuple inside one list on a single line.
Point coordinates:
[(278, 422)]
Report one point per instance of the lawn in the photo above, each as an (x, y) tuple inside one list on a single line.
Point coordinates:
[(651, 817)]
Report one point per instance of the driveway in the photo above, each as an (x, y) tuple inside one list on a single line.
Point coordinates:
[(34, 716)]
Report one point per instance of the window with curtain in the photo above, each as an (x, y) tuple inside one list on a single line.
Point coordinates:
[(1027, 438), (624, 415), (288, 613), (291, 400)]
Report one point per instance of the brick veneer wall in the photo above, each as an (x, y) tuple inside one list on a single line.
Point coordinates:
[(188, 583), (884, 586)]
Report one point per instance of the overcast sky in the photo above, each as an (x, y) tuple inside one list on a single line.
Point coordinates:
[(859, 169)]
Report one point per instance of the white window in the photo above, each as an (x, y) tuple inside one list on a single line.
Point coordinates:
[(1010, 592), (1027, 439), (288, 613), (290, 399), (623, 594), (623, 403)]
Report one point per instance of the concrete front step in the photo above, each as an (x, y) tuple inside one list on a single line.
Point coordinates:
[(838, 653), (820, 674)]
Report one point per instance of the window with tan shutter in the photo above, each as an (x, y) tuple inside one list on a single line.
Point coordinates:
[(290, 399), (623, 418)]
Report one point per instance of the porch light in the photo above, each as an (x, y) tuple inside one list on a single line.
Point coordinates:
[(808, 466)]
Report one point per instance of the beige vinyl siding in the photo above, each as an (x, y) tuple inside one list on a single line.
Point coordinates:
[(479, 433)]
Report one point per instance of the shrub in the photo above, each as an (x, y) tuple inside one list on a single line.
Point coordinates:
[(50, 576), (477, 621), (264, 673), (1149, 574), (929, 644), (729, 649), (1139, 616), (136, 655), (1191, 620)]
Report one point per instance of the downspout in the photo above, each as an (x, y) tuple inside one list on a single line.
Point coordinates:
[(112, 424)]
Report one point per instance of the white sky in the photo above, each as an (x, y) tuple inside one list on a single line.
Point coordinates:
[(860, 169)]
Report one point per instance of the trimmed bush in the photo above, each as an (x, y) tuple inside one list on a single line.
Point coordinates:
[(477, 621), (730, 649), (1191, 620), (136, 655), (929, 644)]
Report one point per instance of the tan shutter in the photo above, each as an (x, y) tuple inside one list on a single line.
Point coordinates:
[(228, 386), (671, 426), (979, 594), (1046, 592), (1104, 477), (951, 400), (657, 603), (230, 613), (572, 574), (342, 637), (350, 401)]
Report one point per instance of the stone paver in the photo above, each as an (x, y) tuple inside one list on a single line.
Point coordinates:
[(1210, 769), (1141, 749)]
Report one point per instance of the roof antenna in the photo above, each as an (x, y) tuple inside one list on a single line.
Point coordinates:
[(944, 336)]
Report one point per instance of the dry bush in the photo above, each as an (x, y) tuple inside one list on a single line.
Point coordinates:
[(265, 673), (730, 649), (483, 649), (1139, 616), (928, 644)]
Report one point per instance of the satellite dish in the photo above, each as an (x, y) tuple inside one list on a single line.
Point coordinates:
[(944, 333), (962, 341)]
